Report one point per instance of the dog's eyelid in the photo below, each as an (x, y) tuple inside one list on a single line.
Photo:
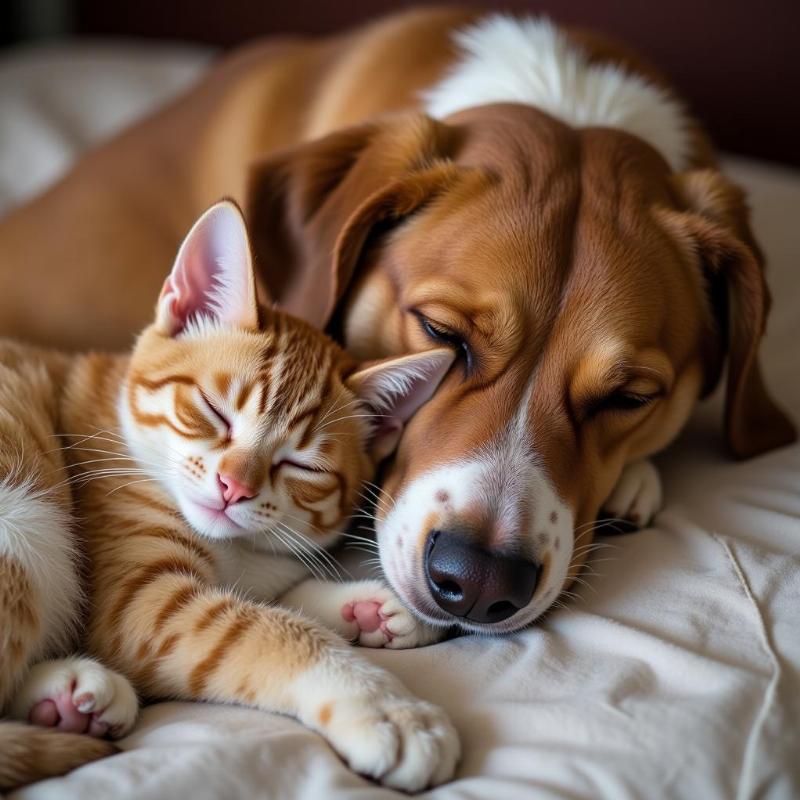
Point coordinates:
[(642, 385), (622, 399), (444, 335)]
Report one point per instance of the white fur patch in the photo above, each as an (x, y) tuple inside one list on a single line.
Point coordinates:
[(37, 534), (531, 61)]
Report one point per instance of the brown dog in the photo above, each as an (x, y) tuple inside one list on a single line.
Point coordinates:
[(536, 199)]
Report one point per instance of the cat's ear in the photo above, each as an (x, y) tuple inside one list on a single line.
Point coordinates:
[(394, 389), (212, 276)]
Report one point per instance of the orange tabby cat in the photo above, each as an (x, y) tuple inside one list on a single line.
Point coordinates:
[(226, 451)]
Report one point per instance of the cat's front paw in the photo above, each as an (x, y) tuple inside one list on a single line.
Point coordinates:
[(378, 619), (398, 740), (637, 497), (77, 695)]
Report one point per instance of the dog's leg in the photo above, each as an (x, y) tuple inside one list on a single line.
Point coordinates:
[(637, 497), (367, 612)]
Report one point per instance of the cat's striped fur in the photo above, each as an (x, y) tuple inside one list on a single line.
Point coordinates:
[(193, 483)]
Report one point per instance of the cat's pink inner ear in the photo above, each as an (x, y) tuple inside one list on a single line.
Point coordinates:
[(212, 277), (395, 389)]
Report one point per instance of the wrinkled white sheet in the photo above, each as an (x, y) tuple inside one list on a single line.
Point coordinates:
[(674, 675)]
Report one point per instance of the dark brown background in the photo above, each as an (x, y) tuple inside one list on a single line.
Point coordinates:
[(737, 62)]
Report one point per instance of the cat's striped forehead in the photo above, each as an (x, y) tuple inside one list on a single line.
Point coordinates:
[(282, 371)]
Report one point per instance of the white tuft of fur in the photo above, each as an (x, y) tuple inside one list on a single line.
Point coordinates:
[(229, 290), (203, 326), (398, 382), (38, 534), (530, 60)]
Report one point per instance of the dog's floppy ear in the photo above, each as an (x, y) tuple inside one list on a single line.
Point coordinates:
[(719, 228), (311, 209)]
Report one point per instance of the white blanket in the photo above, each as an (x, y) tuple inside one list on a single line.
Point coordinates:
[(674, 675)]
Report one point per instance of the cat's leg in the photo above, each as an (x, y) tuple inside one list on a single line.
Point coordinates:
[(367, 612), (176, 637), (40, 589), (77, 695)]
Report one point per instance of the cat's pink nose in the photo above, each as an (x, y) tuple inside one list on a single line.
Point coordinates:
[(232, 490)]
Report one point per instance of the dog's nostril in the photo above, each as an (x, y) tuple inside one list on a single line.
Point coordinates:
[(450, 589), (501, 610)]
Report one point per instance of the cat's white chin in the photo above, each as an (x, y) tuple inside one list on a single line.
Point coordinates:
[(213, 523)]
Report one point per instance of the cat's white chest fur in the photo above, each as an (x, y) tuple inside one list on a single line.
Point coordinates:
[(254, 572)]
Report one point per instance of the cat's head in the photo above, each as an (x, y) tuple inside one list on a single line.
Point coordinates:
[(255, 422)]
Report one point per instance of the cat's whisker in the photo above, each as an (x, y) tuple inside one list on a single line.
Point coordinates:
[(320, 556), (297, 553), (370, 496), (116, 438), (356, 537), (361, 550), (340, 406), (118, 455), (327, 564), (84, 478), (131, 483), (381, 492), (103, 435), (324, 555), (363, 540)]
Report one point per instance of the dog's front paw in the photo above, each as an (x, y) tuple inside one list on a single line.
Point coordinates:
[(637, 496), (77, 695), (379, 619), (398, 740)]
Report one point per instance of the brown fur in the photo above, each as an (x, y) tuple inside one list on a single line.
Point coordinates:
[(32, 754)]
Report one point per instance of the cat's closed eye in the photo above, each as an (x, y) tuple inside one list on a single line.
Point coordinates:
[(298, 465), (217, 413)]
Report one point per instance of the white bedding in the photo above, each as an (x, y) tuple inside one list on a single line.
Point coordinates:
[(677, 674)]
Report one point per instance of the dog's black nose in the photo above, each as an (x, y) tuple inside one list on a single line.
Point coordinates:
[(478, 584)]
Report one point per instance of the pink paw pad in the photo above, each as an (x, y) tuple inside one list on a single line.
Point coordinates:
[(44, 713), (61, 712), (365, 613)]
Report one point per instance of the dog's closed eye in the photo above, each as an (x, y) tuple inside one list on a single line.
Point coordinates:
[(442, 335), (620, 400)]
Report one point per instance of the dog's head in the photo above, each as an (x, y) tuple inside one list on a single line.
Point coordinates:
[(591, 294)]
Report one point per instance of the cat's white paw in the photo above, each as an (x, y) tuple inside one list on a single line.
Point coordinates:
[(637, 497), (77, 695), (377, 618), (398, 740)]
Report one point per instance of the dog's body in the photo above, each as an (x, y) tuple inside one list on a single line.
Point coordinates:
[(556, 216)]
